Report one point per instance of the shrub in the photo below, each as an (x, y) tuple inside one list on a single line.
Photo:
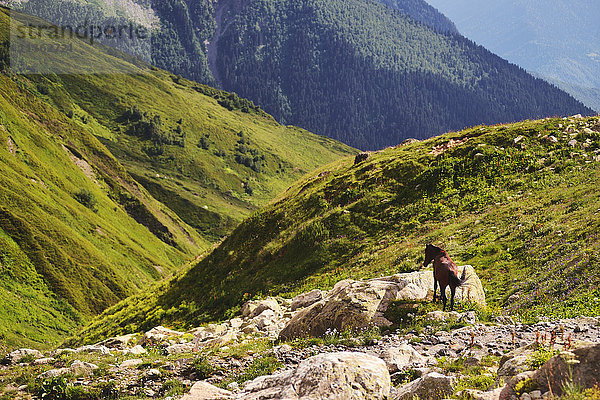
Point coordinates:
[(87, 198), (202, 368)]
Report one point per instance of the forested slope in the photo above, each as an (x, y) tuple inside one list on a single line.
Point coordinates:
[(366, 73)]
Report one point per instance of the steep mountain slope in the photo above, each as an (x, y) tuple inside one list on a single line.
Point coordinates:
[(556, 39), (77, 232), (308, 64), (519, 202), (358, 71), (421, 11)]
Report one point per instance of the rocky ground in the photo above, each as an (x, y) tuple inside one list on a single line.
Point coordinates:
[(263, 354)]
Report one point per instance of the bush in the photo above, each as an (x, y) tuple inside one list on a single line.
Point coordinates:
[(87, 198)]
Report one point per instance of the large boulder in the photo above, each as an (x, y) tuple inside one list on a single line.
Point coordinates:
[(433, 386), (582, 365), (330, 376), (401, 357), (360, 304)]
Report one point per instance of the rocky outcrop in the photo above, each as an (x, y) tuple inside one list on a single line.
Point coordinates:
[(580, 366), (333, 376), (353, 305)]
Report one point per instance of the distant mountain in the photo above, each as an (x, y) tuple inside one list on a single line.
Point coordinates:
[(420, 11), (359, 71), (110, 181), (557, 39)]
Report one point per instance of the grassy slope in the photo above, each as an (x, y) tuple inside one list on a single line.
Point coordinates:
[(61, 262), (207, 186), (524, 214)]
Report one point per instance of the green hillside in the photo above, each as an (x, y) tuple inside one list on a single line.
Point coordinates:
[(519, 202), (112, 181)]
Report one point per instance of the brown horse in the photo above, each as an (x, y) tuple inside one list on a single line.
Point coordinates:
[(444, 271)]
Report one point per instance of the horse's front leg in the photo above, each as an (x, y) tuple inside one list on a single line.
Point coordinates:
[(434, 288), (443, 290)]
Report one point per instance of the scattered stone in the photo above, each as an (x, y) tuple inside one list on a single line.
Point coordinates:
[(136, 350), (253, 308), (16, 356), (82, 368), (94, 348), (180, 348), (53, 373), (131, 363), (433, 386), (401, 357), (158, 335), (119, 342), (43, 361), (206, 391)]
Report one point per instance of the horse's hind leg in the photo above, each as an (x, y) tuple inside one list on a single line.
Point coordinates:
[(443, 290), (452, 293)]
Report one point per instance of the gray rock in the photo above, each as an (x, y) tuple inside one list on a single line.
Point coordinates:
[(53, 373), (329, 376), (306, 299), (43, 361), (206, 391), (136, 350), (16, 356), (82, 368), (131, 363), (119, 342), (94, 348), (433, 386), (513, 366), (158, 335), (180, 348), (252, 308), (401, 357), (582, 364)]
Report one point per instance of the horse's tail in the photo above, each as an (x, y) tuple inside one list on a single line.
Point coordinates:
[(455, 280)]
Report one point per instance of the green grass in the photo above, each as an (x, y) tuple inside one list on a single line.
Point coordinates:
[(89, 215), (524, 214)]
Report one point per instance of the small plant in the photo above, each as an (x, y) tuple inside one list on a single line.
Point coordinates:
[(540, 356), (52, 388), (261, 366), (202, 368), (525, 386), (172, 387)]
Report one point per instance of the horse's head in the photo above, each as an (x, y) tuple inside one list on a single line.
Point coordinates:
[(431, 252)]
